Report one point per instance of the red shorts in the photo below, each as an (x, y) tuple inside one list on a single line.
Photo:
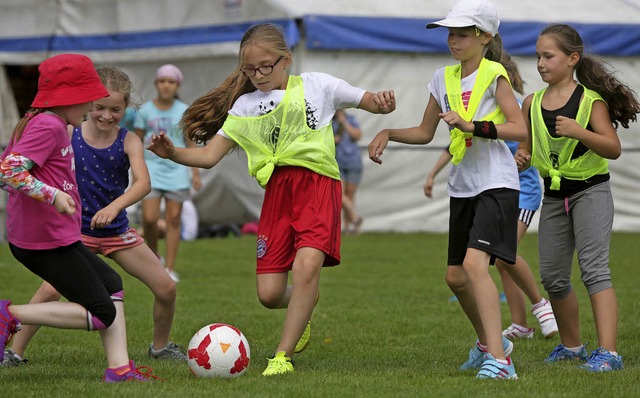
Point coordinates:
[(301, 208), (111, 244)]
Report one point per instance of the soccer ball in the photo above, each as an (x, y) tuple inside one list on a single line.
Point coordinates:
[(218, 350)]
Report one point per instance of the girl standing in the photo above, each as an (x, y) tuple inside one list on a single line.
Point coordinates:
[(102, 148), (169, 180), (284, 125), (572, 127), (477, 102), (43, 224)]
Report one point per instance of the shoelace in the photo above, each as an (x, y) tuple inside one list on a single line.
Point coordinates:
[(278, 363), (598, 357), (177, 347), (556, 351), (143, 373)]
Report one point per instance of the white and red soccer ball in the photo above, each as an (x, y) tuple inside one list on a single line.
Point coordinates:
[(218, 350)]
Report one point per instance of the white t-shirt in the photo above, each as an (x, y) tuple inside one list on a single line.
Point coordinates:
[(487, 164), (323, 94)]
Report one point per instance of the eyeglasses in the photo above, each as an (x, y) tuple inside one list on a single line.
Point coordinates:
[(264, 69)]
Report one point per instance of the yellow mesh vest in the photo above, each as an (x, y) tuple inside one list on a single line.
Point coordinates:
[(552, 156), (487, 72), (282, 138)]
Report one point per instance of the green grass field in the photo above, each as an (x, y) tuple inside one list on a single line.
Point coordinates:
[(383, 327)]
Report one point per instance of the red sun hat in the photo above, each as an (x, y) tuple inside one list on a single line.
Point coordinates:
[(68, 79)]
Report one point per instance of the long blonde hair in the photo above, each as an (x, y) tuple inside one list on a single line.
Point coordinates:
[(206, 115)]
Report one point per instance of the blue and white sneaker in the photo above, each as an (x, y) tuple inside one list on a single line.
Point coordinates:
[(561, 353), (476, 356), (602, 360), (492, 369)]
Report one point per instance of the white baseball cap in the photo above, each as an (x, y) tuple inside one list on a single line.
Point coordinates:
[(479, 13)]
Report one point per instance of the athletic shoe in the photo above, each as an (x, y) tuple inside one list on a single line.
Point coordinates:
[(544, 314), (515, 331), (9, 325), (171, 351), (561, 353), (173, 274), (492, 369), (304, 339), (12, 359), (278, 364), (602, 360), (476, 356), (142, 373)]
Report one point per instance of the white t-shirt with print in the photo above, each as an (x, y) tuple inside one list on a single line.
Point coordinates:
[(487, 164), (323, 94)]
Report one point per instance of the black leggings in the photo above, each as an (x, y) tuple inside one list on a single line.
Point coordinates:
[(78, 274)]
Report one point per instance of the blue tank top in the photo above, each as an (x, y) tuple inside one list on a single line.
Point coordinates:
[(102, 175)]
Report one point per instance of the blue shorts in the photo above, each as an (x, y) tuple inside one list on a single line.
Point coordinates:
[(351, 175)]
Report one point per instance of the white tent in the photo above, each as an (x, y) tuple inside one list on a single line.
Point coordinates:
[(374, 44)]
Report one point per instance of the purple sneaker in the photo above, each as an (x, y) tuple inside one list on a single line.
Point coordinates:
[(9, 325), (142, 373)]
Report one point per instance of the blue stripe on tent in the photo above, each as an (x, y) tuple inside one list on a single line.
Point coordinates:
[(143, 40), (326, 32)]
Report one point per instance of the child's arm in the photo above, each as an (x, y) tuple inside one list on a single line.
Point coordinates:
[(140, 186), (380, 102), (604, 142), (14, 172), (204, 157), (196, 182), (422, 134), (523, 154), (443, 160)]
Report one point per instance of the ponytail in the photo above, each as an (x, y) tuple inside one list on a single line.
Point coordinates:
[(19, 129)]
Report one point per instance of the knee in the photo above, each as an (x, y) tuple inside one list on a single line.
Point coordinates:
[(456, 278), (270, 298), (557, 289), (166, 292), (101, 318)]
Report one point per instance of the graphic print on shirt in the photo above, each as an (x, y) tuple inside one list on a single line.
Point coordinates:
[(311, 116)]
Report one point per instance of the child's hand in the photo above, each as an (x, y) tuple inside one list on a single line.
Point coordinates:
[(523, 159), (566, 127), (104, 217), (454, 120), (64, 203), (377, 146), (428, 187), (386, 101), (162, 146)]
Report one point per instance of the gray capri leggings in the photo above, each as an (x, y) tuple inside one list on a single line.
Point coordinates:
[(581, 222)]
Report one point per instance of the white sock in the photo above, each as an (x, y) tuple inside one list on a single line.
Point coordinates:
[(575, 349)]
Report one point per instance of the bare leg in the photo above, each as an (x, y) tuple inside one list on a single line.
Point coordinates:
[(172, 213), (44, 294), (144, 265), (485, 293), (458, 282), (150, 216), (604, 305), (567, 318)]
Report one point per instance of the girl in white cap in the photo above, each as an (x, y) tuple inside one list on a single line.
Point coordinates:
[(476, 101), (169, 180), (44, 217)]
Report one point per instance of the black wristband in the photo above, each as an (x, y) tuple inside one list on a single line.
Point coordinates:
[(485, 129)]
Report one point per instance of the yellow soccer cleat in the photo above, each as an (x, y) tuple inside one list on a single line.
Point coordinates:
[(278, 365), (304, 339)]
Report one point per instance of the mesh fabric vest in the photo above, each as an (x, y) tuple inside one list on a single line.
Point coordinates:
[(282, 138), (487, 72), (552, 156)]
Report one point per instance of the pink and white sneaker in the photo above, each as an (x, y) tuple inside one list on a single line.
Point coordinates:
[(544, 314), (515, 331)]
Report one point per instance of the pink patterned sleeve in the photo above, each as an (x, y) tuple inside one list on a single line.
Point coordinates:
[(14, 173)]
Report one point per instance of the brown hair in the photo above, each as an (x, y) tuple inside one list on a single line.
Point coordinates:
[(494, 49), (597, 75), (116, 80), (206, 115), (514, 73)]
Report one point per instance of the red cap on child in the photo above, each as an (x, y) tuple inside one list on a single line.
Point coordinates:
[(68, 79)]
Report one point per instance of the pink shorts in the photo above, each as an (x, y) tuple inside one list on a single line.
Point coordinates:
[(110, 244), (301, 208)]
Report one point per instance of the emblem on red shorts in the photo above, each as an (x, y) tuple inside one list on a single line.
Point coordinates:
[(261, 247)]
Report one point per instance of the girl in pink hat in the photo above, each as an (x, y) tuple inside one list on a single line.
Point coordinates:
[(169, 181), (43, 220)]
